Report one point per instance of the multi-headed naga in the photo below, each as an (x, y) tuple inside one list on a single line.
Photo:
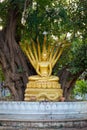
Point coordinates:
[(43, 86)]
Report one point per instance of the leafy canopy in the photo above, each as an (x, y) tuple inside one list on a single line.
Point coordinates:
[(59, 18)]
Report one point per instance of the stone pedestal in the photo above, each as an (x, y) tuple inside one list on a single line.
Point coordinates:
[(43, 89)]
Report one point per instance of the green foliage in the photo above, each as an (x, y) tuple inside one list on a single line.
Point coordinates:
[(47, 16), (3, 12), (80, 88), (75, 57), (59, 18), (1, 75), (78, 55)]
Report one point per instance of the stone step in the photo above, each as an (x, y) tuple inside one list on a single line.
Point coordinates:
[(15, 128), (43, 125)]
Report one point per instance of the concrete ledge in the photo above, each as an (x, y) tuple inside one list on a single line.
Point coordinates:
[(43, 111), (43, 115)]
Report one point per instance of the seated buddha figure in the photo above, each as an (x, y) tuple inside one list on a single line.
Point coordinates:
[(43, 85), (44, 68), (44, 61)]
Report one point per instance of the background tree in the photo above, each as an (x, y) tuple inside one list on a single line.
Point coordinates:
[(80, 89), (14, 64), (24, 19)]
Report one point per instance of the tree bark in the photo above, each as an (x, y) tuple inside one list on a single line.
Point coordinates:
[(67, 81), (15, 65)]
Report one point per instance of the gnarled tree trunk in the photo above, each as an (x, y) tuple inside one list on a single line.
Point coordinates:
[(15, 65), (67, 81)]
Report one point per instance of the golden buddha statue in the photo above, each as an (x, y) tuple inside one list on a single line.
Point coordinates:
[(44, 86)]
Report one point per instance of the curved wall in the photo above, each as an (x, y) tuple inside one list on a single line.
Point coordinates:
[(43, 111)]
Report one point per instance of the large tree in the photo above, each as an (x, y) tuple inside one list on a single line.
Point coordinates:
[(14, 64), (58, 18)]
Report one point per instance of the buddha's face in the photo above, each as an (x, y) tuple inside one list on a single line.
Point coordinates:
[(44, 56)]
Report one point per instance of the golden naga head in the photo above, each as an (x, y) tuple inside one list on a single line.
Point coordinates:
[(44, 54)]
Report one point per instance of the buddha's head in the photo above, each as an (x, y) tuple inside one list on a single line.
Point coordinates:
[(44, 56)]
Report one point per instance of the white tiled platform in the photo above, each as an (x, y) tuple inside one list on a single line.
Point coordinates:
[(43, 111)]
